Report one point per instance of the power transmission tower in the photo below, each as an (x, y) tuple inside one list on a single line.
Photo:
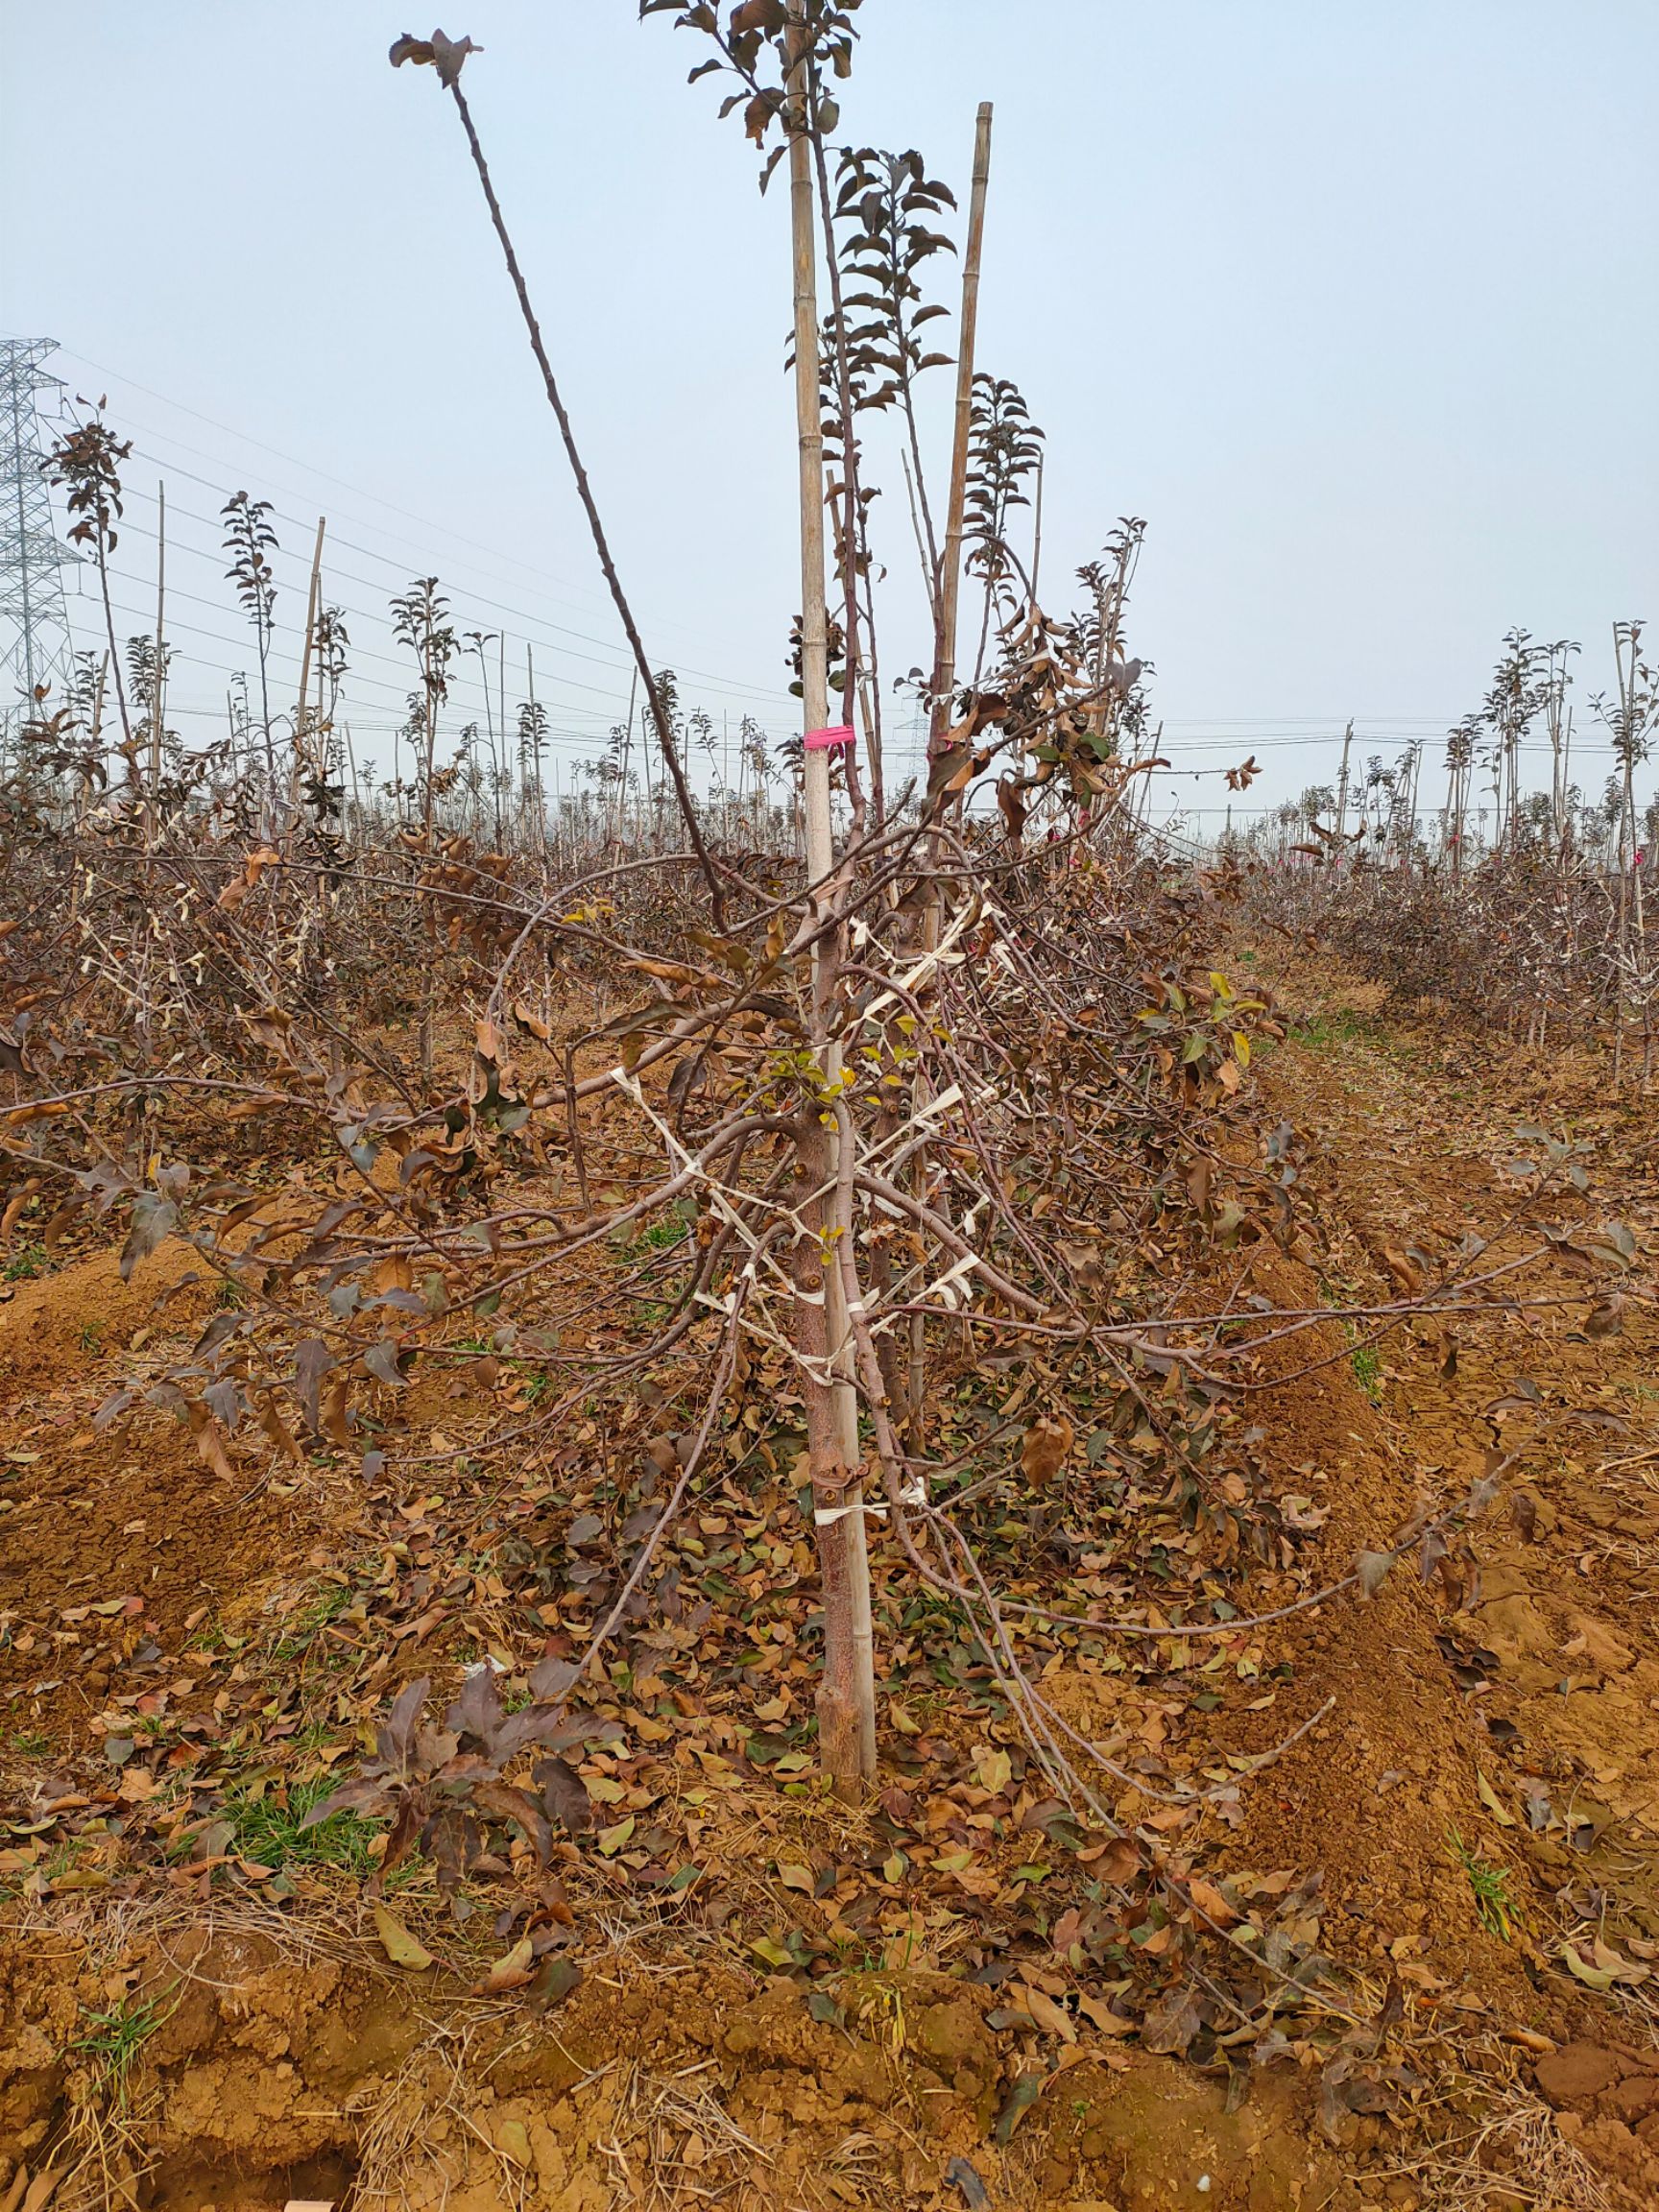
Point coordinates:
[(34, 647)]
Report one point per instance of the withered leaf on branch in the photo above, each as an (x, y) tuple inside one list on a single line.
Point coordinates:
[(381, 1362), (209, 1440), (271, 1420), (766, 16), (1372, 1568), (1404, 1268), (154, 1220), (445, 54), (336, 1420), (1605, 1320)]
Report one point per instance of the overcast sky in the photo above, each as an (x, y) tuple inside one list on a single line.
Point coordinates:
[(1354, 304)]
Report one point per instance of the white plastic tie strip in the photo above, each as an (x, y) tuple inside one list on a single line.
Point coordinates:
[(824, 1515), (948, 1288), (914, 1493), (943, 956), (688, 1162), (921, 1122)]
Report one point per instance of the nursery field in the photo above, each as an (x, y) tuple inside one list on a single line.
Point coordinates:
[(823, 1475), (1433, 1808)]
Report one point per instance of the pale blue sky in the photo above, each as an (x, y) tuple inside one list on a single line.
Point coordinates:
[(1356, 305)]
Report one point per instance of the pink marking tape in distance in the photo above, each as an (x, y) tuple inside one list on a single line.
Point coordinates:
[(825, 740)]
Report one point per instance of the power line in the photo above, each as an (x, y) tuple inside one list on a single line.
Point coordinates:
[(433, 530), (309, 468), (332, 570)]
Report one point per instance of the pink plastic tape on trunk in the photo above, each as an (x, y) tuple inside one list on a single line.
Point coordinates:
[(825, 740)]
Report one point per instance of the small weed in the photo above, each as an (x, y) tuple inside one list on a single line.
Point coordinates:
[(310, 1621), (1363, 1358), (30, 1743), (659, 1236), (66, 1859), (115, 2038), (267, 1829), (229, 1297), (25, 1263), (92, 1337), (1340, 1025), (1497, 1910)]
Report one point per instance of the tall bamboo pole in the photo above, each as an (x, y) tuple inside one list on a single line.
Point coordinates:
[(312, 598), (152, 802), (946, 599), (535, 742), (846, 1699), (1413, 762), (945, 655)]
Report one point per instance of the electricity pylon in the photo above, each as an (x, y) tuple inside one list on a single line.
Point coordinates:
[(34, 646)]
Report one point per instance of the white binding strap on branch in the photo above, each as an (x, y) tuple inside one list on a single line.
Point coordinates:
[(945, 1288), (944, 954), (914, 1493), (688, 1162)]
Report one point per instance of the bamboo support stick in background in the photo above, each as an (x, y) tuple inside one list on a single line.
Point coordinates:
[(296, 751), (152, 797), (949, 584)]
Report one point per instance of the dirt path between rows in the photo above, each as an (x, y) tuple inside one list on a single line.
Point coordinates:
[(1504, 1721)]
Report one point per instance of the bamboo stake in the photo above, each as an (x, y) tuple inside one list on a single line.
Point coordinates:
[(1417, 770), (627, 761), (945, 655), (846, 1700), (536, 754), (945, 601), (153, 803), (352, 765), (323, 722), (945, 646), (311, 598)]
